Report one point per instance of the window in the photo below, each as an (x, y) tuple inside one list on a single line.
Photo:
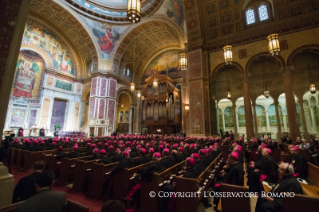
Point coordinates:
[(127, 72), (91, 68), (263, 13), (250, 16)]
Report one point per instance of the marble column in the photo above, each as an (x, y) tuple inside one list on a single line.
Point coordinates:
[(224, 126), (284, 120), (267, 121), (313, 119), (131, 119), (213, 108), (138, 112), (255, 119), (290, 102), (14, 15), (235, 122), (308, 120), (305, 133), (103, 99), (277, 119), (248, 111)]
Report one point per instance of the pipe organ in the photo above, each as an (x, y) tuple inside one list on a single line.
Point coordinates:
[(161, 107)]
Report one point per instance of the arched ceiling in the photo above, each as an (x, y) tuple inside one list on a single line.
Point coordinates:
[(148, 39), (65, 24)]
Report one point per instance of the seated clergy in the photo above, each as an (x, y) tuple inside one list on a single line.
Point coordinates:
[(264, 169), (75, 153), (45, 199), (234, 174), (25, 187), (146, 172), (142, 158), (287, 183), (298, 162), (104, 157)]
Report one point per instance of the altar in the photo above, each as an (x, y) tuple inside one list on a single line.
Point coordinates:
[(26, 132)]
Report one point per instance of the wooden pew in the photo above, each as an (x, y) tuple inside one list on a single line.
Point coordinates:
[(147, 202), (285, 147), (67, 168), (98, 177), (299, 203), (199, 185), (306, 154), (13, 155), (19, 161), (71, 206), (82, 167), (121, 181), (225, 151), (238, 204), (32, 157), (276, 153)]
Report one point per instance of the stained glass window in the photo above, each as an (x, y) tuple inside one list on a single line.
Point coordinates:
[(263, 13), (128, 72), (250, 16), (91, 67)]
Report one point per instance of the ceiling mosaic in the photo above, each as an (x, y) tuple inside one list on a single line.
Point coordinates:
[(66, 24), (147, 39), (111, 10)]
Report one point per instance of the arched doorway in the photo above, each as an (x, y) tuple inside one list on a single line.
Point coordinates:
[(123, 121)]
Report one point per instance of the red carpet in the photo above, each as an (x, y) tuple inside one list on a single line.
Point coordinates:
[(94, 204)]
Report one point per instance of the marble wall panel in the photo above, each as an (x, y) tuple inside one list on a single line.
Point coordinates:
[(18, 117), (50, 81), (101, 108), (103, 87), (93, 87), (45, 111), (33, 117), (91, 108), (111, 111), (58, 114), (195, 64), (196, 106), (112, 88), (76, 116)]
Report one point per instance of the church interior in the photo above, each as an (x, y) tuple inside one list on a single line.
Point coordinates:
[(110, 101)]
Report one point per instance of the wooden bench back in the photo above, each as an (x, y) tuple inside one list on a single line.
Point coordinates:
[(225, 151), (306, 154), (299, 203), (313, 174), (73, 206), (80, 171), (238, 204), (121, 181), (276, 153)]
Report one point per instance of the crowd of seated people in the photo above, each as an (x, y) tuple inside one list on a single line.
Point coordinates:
[(163, 152)]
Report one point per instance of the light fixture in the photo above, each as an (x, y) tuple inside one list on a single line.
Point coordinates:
[(142, 98), (313, 89), (228, 95), (134, 10), (187, 107), (183, 61), (228, 89), (138, 94), (155, 82), (132, 86), (122, 105), (228, 54), (273, 44), (167, 100), (266, 91)]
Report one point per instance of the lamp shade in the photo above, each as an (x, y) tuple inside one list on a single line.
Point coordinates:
[(228, 54), (273, 44), (228, 95), (313, 88), (187, 107), (183, 61), (132, 86), (138, 94), (142, 98), (267, 94), (155, 83), (134, 10)]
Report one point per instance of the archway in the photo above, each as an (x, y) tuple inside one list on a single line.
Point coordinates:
[(123, 114)]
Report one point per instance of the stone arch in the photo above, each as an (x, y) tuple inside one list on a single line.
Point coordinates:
[(132, 96), (278, 58), (306, 48), (86, 94), (46, 58), (223, 65), (128, 38)]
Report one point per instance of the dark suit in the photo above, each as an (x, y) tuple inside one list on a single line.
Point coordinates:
[(25, 188), (45, 200)]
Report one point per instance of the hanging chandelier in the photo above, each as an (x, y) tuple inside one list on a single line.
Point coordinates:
[(183, 61), (134, 10), (228, 89), (273, 44), (138, 94), (132, 86), (312, 89), (266, 91), (228, 54)]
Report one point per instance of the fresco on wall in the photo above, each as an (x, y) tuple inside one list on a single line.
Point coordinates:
[(28, 75), (261, 116), (49, 42), (106, 36), (298, 115), (175, 10), (166, 63), (228, 115), (241, 117), (272, 116), (220, 118)]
